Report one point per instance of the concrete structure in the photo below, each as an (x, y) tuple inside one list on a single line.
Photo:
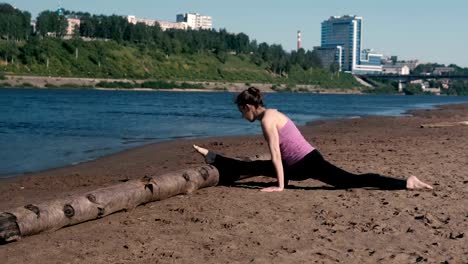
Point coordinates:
[(73, 23), (343, 35), (195, 20), (396, 69)]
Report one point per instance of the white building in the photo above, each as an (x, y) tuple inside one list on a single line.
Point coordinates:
[(396, 69), (412, 64), (134, 20), (165, 25), (33, 26), (370, 63), (195, 20), (341, 39)]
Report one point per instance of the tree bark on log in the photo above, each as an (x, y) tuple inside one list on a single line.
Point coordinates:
[(52, 215)]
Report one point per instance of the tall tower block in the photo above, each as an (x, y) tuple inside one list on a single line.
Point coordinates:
[(298, 39)]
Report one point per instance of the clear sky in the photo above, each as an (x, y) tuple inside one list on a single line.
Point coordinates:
[(428, 30)]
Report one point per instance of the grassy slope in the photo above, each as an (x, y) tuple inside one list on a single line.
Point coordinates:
[(99, 59)]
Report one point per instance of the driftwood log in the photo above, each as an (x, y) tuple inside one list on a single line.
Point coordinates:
[(47, 216), (445, 124)]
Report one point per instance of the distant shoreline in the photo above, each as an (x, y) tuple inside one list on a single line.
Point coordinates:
[(51, 82)]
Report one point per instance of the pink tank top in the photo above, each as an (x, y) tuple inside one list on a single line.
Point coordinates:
[(293, 145)]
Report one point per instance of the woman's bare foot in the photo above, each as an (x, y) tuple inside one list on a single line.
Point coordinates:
[(210, 156), (201, 150), (413, 183)]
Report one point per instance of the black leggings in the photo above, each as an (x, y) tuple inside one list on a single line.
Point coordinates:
[(313, 166)]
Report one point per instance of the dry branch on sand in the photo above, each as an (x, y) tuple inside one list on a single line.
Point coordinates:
[(47, 216), (445, 124)]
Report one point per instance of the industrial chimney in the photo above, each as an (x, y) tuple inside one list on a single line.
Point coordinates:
[(298, 39)]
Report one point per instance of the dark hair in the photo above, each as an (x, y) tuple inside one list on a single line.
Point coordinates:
[(251, 96)]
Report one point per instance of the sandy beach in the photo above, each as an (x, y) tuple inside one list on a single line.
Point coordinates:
[(307, 223)]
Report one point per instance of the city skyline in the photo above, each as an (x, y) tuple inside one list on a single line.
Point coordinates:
[(430, 31)]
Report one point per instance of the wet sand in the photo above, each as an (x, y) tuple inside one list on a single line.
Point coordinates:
[(309, 222)]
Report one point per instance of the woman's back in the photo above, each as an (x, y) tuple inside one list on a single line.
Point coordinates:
[(293, 146)]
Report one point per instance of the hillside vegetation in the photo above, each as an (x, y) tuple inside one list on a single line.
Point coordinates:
[(109, 59), (111, 47)]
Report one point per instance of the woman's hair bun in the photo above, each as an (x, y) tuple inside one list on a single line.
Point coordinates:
[(255, 92), (251, 96)]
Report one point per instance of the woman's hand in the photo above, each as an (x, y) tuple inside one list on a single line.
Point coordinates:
[(270, 131), (272, 189)]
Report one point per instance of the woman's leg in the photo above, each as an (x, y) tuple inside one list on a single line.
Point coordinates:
[(231, 170), (315, 166)]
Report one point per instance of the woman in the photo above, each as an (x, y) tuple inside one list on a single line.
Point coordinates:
[(292, 157)]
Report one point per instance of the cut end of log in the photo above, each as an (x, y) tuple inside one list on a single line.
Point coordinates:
[(9, 229)]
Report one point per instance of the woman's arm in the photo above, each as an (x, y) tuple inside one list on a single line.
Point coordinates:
[(270, 133)]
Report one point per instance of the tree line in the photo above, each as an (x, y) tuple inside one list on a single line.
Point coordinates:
[(172, 42)]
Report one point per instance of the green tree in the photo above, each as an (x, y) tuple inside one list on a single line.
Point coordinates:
[(413, 89), (9, 51), (459, 87), (51, 24), (334, 67), (14, 24)]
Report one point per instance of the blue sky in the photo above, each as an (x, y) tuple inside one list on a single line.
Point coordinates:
[(428, 30)]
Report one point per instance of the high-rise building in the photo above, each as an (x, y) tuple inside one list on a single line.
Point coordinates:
[(344, 31), (195, 20), (341, 44)]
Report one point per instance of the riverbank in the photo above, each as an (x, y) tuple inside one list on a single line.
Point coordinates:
[(208, 86), (240, 224)]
